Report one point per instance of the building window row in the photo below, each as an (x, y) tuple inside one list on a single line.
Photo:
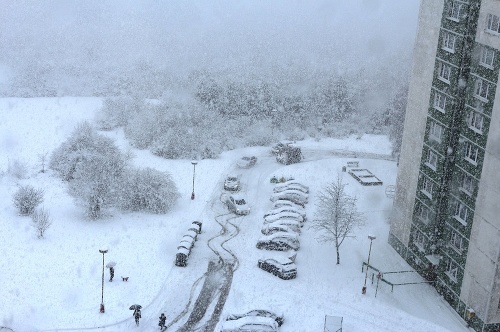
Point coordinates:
[(457, 241), (427, 187), (436, 132), (460, 212), (444, 73), (493, 23), (432, 160), (419, 240), (452, 270), (455, 10), (440, 101), (487, 58), (475, 121), (471, 153), (449, 40), (423, 213), (467, 183), (482, 89)]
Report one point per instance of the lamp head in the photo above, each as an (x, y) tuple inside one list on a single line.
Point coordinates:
[(371, 237)]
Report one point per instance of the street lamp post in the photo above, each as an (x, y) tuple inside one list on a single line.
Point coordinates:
[(194, 162), (371, 237), (102, 251)]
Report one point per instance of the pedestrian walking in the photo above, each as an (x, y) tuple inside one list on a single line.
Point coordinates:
[(111, 273), (137, 316), (161, 324)]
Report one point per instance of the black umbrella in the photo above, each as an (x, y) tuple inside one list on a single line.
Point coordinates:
[(135, 307)]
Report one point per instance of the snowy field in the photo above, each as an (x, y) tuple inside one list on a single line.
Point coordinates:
[(54, 284)]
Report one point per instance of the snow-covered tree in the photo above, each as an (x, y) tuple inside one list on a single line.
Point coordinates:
[(27, 198), (41, 221), (95, 181), (83, 144), (148, 190), (336, 216)]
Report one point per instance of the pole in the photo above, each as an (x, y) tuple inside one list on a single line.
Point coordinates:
[(101, 310), (363, 290), (194, 162)]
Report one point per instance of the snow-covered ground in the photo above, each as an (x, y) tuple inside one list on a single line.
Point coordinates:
[(54, 284)]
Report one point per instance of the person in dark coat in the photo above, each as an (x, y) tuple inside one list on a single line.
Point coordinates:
[(111, 273), (137, 315), (163, 318)]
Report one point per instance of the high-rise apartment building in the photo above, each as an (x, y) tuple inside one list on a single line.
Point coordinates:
[(446, 213)]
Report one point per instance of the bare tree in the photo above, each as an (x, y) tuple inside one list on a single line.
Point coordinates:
[(41, 221), (43, 159), (27, 198), (336, 216)]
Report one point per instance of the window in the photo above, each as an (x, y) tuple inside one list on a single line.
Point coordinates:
[(487, 57), (419, 240), (493, 23), (482, 88), (427, 186), (436, 131), (461, 212), (471, 152), (476, 121), (444, 72), (432, 159), (457, 241), (449, 42), (440, 101), (454, 10), (423, 213), (467, 184), (452, 270)]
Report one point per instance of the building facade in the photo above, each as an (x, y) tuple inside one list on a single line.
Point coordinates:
[(446, 214)]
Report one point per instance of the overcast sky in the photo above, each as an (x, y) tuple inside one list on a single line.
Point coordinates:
[(223, 34)]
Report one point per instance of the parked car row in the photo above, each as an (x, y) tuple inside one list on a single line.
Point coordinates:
[(282, 227), (254, 320), (187, 243)]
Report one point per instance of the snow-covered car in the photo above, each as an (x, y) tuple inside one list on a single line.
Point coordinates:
[(280, 241), (284, 269), (284, 215), (247, 162), (271, 229), (294, 225), (291, 184), (232, 183), (294, 196), (258, 312), (277, 210), (280, 146), (280, 188), (236, 205), (282, 203), (250, 324)]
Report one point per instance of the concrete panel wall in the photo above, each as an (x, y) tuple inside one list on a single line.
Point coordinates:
[(482, 271), (416, 114)]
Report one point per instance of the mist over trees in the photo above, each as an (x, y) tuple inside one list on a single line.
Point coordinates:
[(280, 69)]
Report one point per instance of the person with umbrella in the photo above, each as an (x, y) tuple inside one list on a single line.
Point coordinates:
[(111, 266), (161, 324), (137, 312)]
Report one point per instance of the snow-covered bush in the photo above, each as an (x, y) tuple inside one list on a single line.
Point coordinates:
[(41, 221), (27, 198), (17, 168), (95, 182), (83, 143), (116, 112), (148, 190)]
